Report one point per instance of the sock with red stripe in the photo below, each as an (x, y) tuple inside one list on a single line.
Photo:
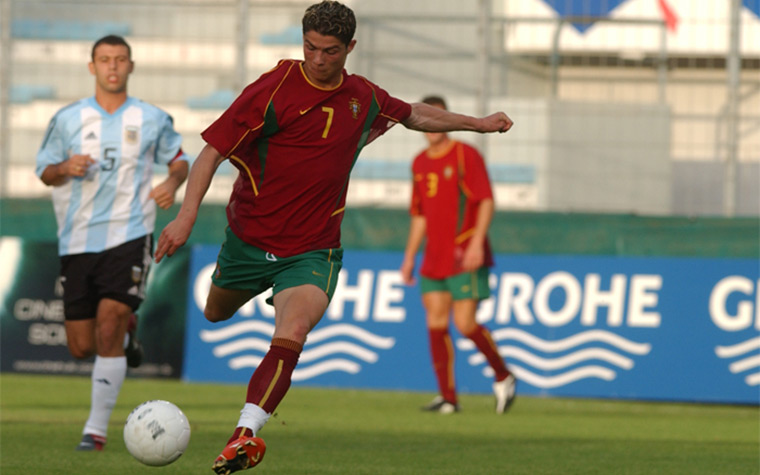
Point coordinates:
[(268, 385), (271, 380), (240, 432), (442, 352), (482, 339)]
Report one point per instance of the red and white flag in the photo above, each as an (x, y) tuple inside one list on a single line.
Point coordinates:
[(669, 15)]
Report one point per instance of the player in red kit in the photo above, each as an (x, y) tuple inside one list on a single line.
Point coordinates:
[(452, 206), (294, 135)]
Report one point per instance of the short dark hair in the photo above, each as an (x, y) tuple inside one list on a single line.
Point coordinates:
[(330, 18), (434, 101), (112, 40)]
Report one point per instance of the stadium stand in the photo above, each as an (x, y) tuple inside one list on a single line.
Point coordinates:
[(30, 28), (608, 144), (287, 36), (26, 93), (215, 100), (395, 170)]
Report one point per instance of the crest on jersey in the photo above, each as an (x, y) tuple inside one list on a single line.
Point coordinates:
[(131, 134), (448, 172), (355, 107)]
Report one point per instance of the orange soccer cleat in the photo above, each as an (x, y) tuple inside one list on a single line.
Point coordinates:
[(244, 452)]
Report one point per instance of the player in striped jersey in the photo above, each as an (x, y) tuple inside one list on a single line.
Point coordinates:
[(98, 155), (294, 135), (452, 206)]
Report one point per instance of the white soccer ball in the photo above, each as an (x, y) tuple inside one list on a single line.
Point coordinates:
[(156, 433)]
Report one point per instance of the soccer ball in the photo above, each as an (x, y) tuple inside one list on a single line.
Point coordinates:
[(156, 433)]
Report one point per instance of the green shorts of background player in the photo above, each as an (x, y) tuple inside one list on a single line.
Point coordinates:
[(464, 286)]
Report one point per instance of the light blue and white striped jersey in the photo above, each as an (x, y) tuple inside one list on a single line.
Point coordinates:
[(110, 205)]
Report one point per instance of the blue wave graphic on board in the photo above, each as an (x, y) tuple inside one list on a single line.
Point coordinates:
[(584, 361), (749, 359), (324, 352)]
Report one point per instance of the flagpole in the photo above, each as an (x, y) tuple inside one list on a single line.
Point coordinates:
[(5, 87), (732, 110)]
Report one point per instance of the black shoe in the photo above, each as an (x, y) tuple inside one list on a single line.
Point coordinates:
[(441, 406), (134, 350), (91, 442)]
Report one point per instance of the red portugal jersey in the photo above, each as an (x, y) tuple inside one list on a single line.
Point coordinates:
[(294, 145), (446, 191)]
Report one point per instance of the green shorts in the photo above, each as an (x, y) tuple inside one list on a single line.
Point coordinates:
[(244, 267), (467, 285)]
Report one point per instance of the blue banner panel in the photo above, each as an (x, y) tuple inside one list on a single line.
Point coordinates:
[(634, 328)]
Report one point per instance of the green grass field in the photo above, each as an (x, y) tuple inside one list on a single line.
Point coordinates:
[(337, 431)]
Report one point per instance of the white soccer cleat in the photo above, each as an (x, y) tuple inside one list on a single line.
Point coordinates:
[(504, 391)]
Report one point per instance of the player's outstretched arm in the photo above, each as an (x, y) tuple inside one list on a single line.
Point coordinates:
[(426, 118), (175, 233)]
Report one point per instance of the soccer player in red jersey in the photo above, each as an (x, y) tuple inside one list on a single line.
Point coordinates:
[(452, 206), (294, 135)]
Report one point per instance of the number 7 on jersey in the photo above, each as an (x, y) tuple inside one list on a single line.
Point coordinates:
[(330, 112)]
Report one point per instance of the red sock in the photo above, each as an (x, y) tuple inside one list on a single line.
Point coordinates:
[(442, 352), (482, 339), (239, 432), (271, 380)]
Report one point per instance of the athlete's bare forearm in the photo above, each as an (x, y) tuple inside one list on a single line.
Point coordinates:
[(60, 173), (474, 254), (417, 229), (201, 174), (177, 173), (483, 219), (176, 233), (426, 118)]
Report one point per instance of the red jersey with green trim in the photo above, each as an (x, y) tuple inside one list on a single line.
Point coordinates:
[(294, 145), (446, 191)]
